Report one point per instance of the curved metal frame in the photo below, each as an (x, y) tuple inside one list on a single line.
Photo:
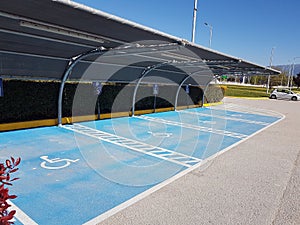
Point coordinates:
[(180, 85), (148, 70), (203, 99), (66, 75), (143, 74), (177, 93), (73, 62)]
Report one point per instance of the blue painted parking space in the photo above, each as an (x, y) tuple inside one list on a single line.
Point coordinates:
[(76, 173)]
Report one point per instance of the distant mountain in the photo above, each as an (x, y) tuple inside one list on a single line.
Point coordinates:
[(287, 67)]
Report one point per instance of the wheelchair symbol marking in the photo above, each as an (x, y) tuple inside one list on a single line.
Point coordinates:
[(55, 160)]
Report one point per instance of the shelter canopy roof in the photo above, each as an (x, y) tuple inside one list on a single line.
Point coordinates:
[(38, 38)]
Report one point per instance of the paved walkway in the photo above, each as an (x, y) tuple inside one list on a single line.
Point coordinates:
[(256, 182)]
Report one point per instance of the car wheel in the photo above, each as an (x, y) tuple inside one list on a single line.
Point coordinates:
[(294, 98), (273, 96)]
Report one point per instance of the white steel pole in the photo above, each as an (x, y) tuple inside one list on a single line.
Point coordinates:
[(271, 61), (210, 33), (289, 75), (293, 71), (292, 75), (194, 20)]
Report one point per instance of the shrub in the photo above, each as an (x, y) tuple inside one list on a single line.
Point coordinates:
[(214, 93), (5, 179)]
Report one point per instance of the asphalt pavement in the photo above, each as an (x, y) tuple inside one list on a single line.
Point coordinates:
[(255, 182)]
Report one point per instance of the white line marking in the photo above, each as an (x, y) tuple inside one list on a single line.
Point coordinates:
[(148, 192), (21, 216), (194, 127), (137, 146), (245, 109), (227, 118)]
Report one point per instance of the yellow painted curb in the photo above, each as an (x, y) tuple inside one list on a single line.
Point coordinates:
[(212, 104), (187, 107), (27, 124), (250, 98), (68, 120)]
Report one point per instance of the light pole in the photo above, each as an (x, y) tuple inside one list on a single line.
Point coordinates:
[(194, 20), (271, 61), (293, 71), (289, 73), (210, 33)]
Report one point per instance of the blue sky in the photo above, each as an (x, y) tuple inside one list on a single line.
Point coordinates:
[(242, 28)]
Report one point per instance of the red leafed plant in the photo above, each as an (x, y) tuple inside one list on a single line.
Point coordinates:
[(5, 170)]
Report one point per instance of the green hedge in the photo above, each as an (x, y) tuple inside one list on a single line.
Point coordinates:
[(25, 101), (34, 100)]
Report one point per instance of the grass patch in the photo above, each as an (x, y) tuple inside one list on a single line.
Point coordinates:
[(296, 90), (245, 91)]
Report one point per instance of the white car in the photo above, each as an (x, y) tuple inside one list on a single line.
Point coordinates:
[(284, 94)]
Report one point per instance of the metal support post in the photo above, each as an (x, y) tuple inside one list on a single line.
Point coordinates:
[(143, 74), (72, 63)]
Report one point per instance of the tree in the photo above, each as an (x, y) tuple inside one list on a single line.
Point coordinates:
[(258, 80), (296, 80)]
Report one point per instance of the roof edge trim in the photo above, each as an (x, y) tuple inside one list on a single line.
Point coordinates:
[(157, 32)]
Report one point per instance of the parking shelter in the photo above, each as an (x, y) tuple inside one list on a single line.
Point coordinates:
[(63, 40)]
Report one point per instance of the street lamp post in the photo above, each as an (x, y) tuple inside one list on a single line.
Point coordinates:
[(293, 71), (194, 20), (271, 61), (289, 73), (210, 33)]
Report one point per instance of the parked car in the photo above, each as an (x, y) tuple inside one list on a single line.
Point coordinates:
[(284, 94)]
